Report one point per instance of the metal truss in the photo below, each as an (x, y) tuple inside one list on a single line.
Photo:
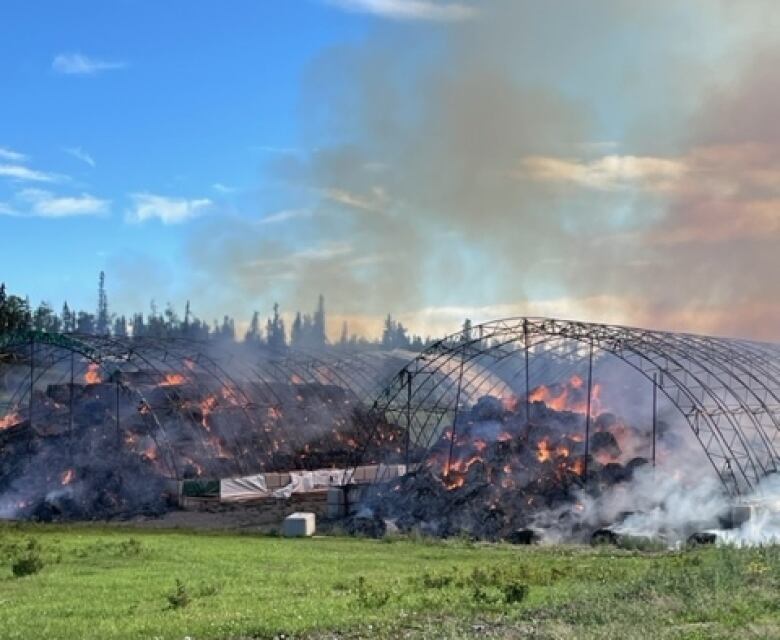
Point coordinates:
[(254, 387), (728, 391)]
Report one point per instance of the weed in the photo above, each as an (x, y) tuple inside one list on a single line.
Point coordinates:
[(370, 597), (179, 598), (29, 562)]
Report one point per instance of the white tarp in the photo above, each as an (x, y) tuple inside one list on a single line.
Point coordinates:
[(300, 482), (243, 488), (303, 481)]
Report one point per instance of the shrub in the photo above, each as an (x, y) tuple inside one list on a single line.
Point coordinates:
[(179, 598), (515, 592), (29, 562), (370, 597), (130, 547)]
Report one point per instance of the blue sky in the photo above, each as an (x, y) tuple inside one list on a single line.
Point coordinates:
[(433, 158), (193, 99)]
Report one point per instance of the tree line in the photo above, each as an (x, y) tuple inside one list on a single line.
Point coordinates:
[(307, 330)]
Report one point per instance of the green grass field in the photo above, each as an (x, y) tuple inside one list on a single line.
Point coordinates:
[(101, 582)]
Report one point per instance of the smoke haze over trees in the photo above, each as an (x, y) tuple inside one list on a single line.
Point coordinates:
[(306, 330)]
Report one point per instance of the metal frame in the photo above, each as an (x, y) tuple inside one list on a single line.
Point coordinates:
[(727, 390), (255, 379)]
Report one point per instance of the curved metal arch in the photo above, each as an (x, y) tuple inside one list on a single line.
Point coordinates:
[(71, 344), (726, 390), (144, 353)]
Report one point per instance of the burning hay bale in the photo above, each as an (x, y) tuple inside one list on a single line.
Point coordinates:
[(119, 439), (496, 475)]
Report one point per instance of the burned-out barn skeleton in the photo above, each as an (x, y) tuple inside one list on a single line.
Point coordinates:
[(497, 427)]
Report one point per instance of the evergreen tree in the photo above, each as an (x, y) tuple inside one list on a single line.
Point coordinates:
[(85, 322), (296, 331), (44, 319), (253, 335), (68, 319), (275, 330), (344, 339), (139, 327), (103, 323), (318, 336), (120, 327), (14, 312)]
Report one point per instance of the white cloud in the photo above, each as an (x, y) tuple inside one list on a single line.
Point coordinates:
[(79, 64), (357, 201), (44, 204), (409, 9), (222, 188), (148, 206), (18, 172), (608, 172), (11, 155), (7, 210), (285, 215), (80, 154)]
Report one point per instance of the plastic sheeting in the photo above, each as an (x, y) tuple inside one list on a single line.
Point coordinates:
[(243, 488), (257, 486)]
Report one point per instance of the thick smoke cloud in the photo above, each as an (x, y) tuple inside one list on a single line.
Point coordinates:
[(587, 159)]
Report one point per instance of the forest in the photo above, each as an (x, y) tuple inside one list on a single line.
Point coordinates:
[(306, 330)]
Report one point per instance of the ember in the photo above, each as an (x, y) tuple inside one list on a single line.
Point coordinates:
[(92, 375), (492, 487)]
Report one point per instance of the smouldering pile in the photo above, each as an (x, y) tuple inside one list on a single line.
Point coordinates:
[(499, 471)]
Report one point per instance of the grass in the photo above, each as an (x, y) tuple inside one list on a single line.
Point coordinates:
[(112, 583)]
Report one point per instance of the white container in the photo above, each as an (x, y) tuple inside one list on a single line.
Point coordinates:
[(297, 525)]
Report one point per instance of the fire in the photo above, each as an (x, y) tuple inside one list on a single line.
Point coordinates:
[(207, 406), (67, 477), (274, 413), (173, 379), (543, 452), (10, 420), (569, 396), (457, 483), (296, 379), (578, 467), (92, 376), (230, 395), (151, 451)]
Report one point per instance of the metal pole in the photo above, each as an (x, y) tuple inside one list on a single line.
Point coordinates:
[(32, 376), (70, 395), (527, 380), (587, 414), (455, 417), (118, 432), (408, 416), (655, 412)]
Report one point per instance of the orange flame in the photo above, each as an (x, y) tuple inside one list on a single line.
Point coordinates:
[(92, 376), (173, 379), (67, 477), (207, 406), (10, 420), (543, 452), (569, 396), (151, 452)]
